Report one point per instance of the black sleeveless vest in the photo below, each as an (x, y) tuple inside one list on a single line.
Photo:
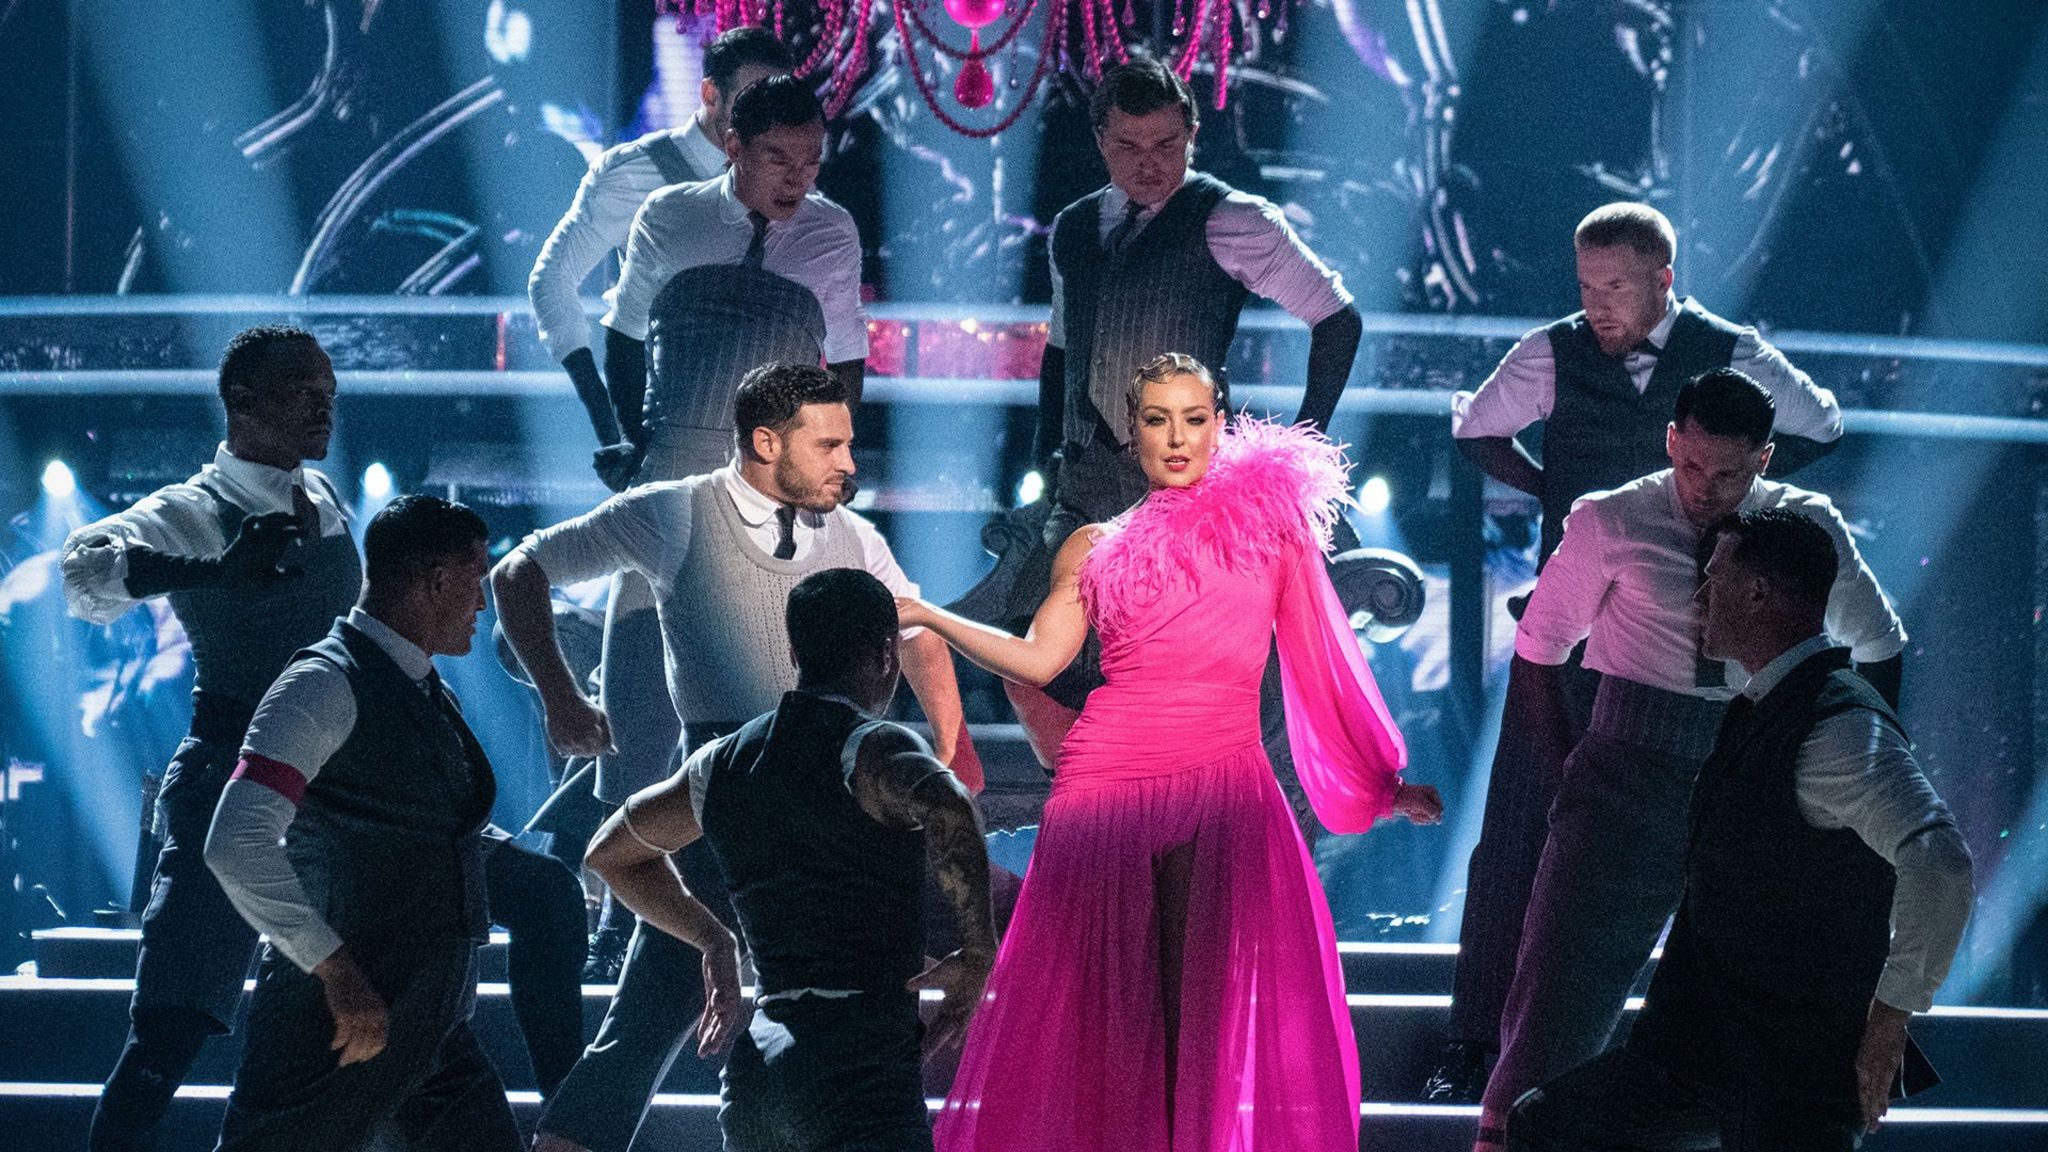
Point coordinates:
[(1601, 432), (243, 637), (827, 897), (387, 840), (1785, 927), (1163, 292)]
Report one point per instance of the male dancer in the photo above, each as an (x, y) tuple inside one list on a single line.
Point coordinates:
[(351, 835), (722, 552), (255, 556), (1622, 580), (1160, 260), (1601, 383), (721, 276), (751, 268), (821, 818), (1826, 891), (601, 216)]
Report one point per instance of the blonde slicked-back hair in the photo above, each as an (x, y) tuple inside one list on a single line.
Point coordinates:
[(1166, 367), (1628, 224)]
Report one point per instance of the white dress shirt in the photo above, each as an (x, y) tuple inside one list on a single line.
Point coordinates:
[(686, 225), (1625, 573), (303, 721), (1523, 388), (179, 520), (1250, 238), (1856, 771), (597, 224)]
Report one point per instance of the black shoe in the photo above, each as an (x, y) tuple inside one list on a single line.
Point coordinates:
[(607, 956), (1460, 1076)]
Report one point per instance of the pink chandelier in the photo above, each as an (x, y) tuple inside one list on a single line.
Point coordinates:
[(1205, 30)]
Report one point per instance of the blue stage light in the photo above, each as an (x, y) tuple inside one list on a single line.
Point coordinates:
[(1374, 496), (377, 482), (58, 480)]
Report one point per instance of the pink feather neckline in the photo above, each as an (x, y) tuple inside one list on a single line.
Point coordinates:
[(1271, 488)]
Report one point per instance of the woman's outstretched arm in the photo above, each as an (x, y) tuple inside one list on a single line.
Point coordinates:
[(1056, 633)]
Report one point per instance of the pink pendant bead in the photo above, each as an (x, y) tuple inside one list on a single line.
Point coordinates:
[(973, 88)]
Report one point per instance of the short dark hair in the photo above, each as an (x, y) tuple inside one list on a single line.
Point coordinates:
[(738, 48), (772, 395), (1140, 88), (1626, 224), (1726, 402), (1790, 549), (251, 357), (777, 102), (413, 535), (835, 617)]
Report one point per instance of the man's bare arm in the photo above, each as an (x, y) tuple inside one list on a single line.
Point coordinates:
[(520, 586), (633, 852), (898, 784)]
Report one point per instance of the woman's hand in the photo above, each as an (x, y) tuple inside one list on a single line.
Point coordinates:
[(912, 613), (1419, 803)]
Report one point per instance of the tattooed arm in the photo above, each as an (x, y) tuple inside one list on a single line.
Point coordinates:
[(897, 782)]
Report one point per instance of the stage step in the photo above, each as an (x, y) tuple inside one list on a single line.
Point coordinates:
[(109, 953), (70, 1031), (58, 1115)]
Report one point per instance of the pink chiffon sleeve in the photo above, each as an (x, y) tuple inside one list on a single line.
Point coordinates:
[(1347, 752)]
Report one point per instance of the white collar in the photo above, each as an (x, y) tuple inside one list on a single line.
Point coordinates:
[(258, 483), (701, 149), (730, 208), (755, 506), (1661, 334), (1773, 674), (410, 657)]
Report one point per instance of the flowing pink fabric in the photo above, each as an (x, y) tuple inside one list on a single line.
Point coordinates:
[(1068, 1051)]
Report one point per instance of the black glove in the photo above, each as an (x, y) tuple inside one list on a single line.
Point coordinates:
[(251, 558), (617, 464)]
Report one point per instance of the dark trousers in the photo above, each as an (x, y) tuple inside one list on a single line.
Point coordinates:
[(605, 1097), (540, 904), (1541, 722), (195, 954), (1609, 879), (1624, 1102), (812, 1074), (431, 1086)]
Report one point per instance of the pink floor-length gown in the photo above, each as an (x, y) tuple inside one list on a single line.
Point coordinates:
[(1067, 1052)]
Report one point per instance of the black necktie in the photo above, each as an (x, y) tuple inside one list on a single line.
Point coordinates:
[(785, 544), (445, 704), (309, 516), (758, 246), (1644, 349), (1735, 722), (1120, 234)]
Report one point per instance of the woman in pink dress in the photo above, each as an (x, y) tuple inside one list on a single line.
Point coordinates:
[(1169, 981)]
